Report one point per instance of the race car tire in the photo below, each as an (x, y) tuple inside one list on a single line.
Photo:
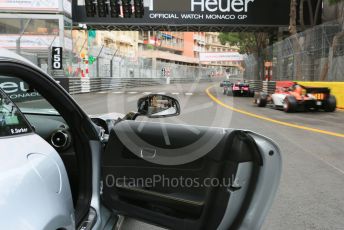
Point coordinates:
[(290, 104), (229, 93), (330, 104), (261, 101), (224, 91)]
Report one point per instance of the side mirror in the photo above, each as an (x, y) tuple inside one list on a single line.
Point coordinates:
[(157, 106)]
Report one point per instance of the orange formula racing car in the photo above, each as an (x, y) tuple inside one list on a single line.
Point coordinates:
[(292, 97)]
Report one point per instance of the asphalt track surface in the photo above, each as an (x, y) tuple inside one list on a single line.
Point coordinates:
[(311, 193)]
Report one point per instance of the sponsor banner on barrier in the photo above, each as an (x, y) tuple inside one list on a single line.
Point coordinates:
[(224, 56), (19, 91)]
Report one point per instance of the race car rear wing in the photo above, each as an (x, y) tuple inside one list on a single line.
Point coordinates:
[(316, 90), (242, 85)]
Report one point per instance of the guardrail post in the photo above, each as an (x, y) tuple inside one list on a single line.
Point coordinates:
[(111, 63), (97, 60)]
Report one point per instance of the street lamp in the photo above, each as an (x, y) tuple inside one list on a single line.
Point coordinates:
[(21, 35)]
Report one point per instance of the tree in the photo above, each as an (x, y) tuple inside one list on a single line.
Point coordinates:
[(336, 45), (317, 11), (313, 13), (335, 1), (250, 44), (301, 11), (294, 39), (313, 18), (293, 15)]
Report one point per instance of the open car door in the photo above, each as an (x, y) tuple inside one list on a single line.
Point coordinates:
[(190, 177)]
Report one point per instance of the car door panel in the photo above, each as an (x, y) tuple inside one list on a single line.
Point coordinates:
[(125, 172)]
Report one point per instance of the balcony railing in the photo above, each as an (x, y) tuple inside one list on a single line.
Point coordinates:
[(199, 38), (198, 49)]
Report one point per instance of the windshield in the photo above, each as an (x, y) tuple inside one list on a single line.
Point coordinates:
[(25, 97)]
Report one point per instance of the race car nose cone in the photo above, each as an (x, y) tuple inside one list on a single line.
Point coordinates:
[(47, 170)]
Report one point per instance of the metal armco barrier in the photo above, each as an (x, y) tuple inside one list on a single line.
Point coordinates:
[(269, 87), (256, 85), (86, 85)]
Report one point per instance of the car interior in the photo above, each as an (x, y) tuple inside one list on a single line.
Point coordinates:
[(179, 207), (174, 207)]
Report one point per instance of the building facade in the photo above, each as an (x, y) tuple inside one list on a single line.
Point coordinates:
[(199, 43), (33, 27), (162, 48), (213, 45), (123, 43)]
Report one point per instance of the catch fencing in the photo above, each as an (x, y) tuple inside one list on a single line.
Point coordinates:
[(108, 64), (110, 71), (317, 54)]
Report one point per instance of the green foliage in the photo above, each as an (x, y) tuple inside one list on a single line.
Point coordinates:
[(230, 38), (246, 42), (91, 59), (334, 1), (149, 47)]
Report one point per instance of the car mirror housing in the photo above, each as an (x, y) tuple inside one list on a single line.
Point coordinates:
[(158, 106)]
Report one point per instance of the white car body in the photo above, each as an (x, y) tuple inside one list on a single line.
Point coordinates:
[(37, 171), (278, 99), (34, 187)]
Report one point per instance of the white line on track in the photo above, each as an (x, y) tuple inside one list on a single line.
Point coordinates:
[(132, 92), (103, 92), (175, 93), (118, 92), (161, 93), (146, 93), (188, 94)]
